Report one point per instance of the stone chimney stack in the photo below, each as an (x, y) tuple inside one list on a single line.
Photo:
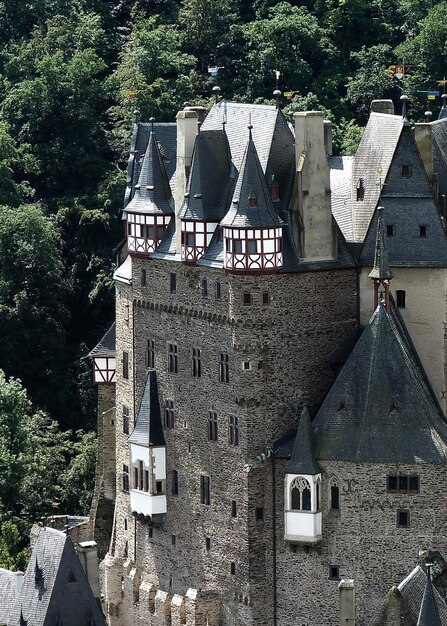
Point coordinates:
[(314, 220), (186, 135), (18, 580), (423, 138), (382, 106), (88, 555), (347, 603)]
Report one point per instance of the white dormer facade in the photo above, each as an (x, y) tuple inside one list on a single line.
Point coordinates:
[(145, 231), (253, 249), (196, 237), (302, 500), (104, 370), (148, 480)]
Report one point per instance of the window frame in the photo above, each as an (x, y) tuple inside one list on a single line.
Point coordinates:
[(150, 353), (174, 483), (172, 282), (196, 362), (233, 430), (401, 298), (125, 365), (212, 427), (224, 367), (126, 419), (172, 358), (205, 490), (169, 414), (399, 512)]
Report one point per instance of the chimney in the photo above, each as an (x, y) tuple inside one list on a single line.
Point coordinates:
[(346, 593), (328, 137), (18, 580), (423, 138), (88, 555), (186, 135), (317, 236), (382, 106)]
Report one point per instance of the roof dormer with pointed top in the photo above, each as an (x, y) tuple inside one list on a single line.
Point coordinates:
[(302, 484), (252, 229), (151, 209), (381, 273), (210, 182), (148, 456)]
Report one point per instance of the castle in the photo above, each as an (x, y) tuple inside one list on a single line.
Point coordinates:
[(271, 397)]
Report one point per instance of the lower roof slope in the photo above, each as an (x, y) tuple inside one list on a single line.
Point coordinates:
[(381, 407)]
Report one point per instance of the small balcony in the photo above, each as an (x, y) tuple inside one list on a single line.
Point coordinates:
[(303, 527), (144, 503)]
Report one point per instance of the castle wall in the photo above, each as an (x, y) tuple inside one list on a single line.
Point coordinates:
[(361, 539), (424, 315), (284, 343)]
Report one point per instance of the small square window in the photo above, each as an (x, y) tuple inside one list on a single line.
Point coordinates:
[(208, 543), (233, 508), (246, 365), (403, 483), (392, 483), (400, 298), (403, 518), (334, 572), (265, 298), (204, 288), (259, 513), (143, 278), (252, 246), (390, 230), (422, 230), (233, 567), (173, 282), (173, 540), (247, 298), (405, 171), (237, 246), (159, 486), (413, 483)]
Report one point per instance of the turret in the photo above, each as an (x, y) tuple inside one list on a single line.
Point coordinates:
[(302, 488), (207, 194), (381, 273), (151, 209), (148, 457), (252, 229)]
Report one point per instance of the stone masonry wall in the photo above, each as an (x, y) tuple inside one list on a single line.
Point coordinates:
[(277, 357), (362, 539)]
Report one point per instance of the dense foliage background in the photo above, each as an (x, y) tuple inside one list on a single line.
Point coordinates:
[(72, 73)]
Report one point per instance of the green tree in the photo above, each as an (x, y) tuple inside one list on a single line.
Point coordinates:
[(78, 480)]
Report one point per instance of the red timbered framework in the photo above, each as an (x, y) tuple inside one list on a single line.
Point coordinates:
[(145, 232), (104, 370), (196, 237), (253, 249)]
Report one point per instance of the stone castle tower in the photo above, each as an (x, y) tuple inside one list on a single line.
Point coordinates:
[(236, 304)]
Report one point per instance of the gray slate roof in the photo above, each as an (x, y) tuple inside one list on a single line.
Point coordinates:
[(341, 193), (302, 460), (405, 601), (152, 193), (64, 593), (381, 270), (382, 395), (429, 613), (148, 429), (7, 593), (211, 178), (251, 183), (167, 139), (439, 134), (106, 347), (408, 204)]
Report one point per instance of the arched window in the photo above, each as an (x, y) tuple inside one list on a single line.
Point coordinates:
[(300, 497), (334, 494)]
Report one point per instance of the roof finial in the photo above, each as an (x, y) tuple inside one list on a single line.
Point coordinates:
[(404, 100), (250, 126), (152, 120), (137, 115), (216, 92)]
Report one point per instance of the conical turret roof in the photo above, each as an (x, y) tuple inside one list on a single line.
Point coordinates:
[(252, 206), (148, 429), (211, 178), (429, 614), (152, 193), (302, 460), (381, 407), (381, 269)]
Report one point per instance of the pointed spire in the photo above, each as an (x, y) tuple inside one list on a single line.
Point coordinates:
[(302, 460), (148, 429), (404, 100), (429, 613), (153, 192), (23, 621), (381, 270)]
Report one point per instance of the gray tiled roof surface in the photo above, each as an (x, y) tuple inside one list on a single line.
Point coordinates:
[(152, 193), (439, 134), (341, 189), (106, 347), (148, 429), (167, 139), (375, 151), (381, 393), (429, 613), (251, 182), (302, 460), (7, 594), (211, 178), (65, 593), (381, 269), (412, 591), (237, 117), (442, 112)]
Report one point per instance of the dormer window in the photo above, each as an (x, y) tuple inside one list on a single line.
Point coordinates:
[(422, 230), (390, 230), (405, 171), (393, 408), (360, 190), (342, 407), (252, 200), (274, 192)]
